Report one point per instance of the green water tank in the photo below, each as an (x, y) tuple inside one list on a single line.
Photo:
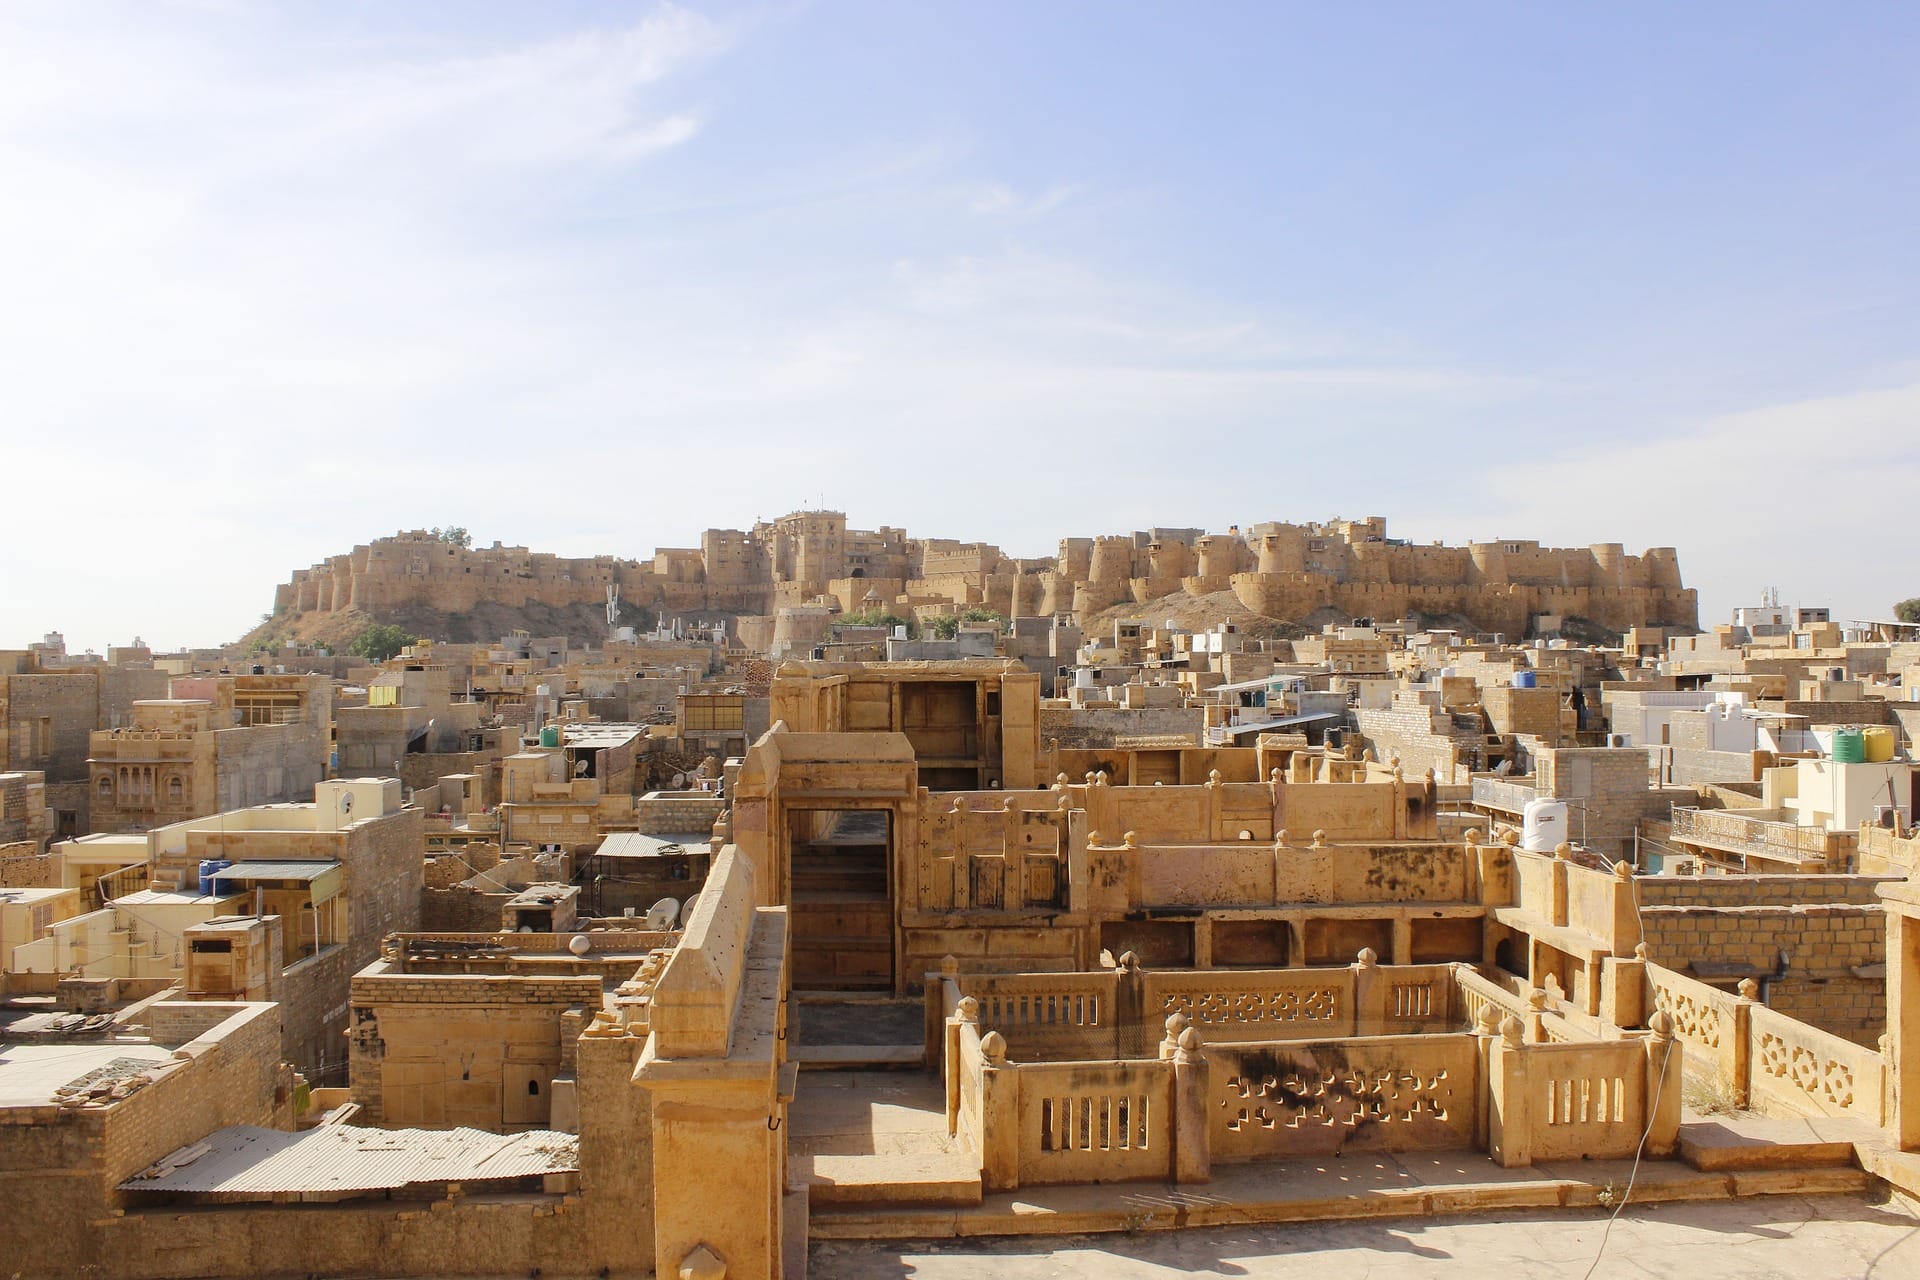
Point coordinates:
[(1849, 746), (550, 736)]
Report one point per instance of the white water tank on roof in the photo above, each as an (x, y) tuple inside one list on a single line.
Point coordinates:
[(1543, 825)]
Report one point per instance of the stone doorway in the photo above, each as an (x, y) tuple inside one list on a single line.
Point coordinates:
[(840, 898)]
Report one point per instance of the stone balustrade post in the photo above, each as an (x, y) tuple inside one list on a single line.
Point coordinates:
[(1664, 1061), (1509, 1098), (999, 1115), (967, 1014), (1737, 1056), (935, 993), (1486, 1030), (1369, 994), (1130, 1013), (1192, 1137)]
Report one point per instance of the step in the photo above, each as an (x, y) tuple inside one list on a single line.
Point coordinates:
[(918, 1180), (841, 1057), (1309, 1191), (1750, 1142)]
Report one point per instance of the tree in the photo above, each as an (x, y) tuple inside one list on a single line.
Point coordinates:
[(947, 626), (1908, 610), (380, 641), (453, 535)]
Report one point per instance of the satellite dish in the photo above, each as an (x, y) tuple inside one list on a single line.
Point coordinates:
[(663, 914), (679, 781), (346, 802)]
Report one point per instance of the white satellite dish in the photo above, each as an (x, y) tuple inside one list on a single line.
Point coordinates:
[(663, 914), (679, 781)]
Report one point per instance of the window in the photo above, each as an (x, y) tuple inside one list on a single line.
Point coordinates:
[(105, 786)]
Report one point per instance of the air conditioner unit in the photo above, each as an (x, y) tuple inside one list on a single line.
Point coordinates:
[(1894, 817), (1619, 740)]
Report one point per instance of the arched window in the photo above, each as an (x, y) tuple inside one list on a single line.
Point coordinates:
[(175, 791), (105, 786)]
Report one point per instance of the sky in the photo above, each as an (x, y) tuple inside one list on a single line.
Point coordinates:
[(588, 277)]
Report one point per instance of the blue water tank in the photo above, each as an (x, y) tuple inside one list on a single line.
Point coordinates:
[(1525, 680), (211, 886)]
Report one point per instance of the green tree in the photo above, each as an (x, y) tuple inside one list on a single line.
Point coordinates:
[(380, 641), (453, 535), (1908, 610), (877, 618)]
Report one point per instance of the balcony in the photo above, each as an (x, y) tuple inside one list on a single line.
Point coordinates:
[(1506, 796), (1761, 834)]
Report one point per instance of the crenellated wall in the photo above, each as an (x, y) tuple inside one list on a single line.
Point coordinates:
[(1277, 570)]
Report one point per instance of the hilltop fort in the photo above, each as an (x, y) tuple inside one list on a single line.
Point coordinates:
[(1276, 570)]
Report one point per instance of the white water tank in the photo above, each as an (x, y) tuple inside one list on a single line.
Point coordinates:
[(1543, 825)]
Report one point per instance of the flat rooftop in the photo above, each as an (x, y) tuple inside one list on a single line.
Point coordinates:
[(29, 1073)]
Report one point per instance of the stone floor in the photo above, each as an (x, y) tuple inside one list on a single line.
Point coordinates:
[(1788, 1237)]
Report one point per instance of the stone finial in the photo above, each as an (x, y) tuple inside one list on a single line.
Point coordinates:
[(1319, 838), (1487, 1021), (1661, 1024), (1131, 839), (1563, 850), (1007, 806), (1510, 837), (1273, 776), (1127, 960), (1367, 755), (1280, 838), (1100, 780), (968, 1010), (1537, 999), (1367, 958), (702, 1264), (1639, 951), (1176, 1023), (1623, 869), (1512, 1030), (1189, 1049), (1749, 989), (993, 1047), (1091, 775), (1095, 840), (949, 966), (1213, 777), (1060, 782), (1432, 776), (1473, 835)]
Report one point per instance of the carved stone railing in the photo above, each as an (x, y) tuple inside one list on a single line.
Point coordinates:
[(1734, 832), (1379, 1093), (1807, 1071), (1506, 796)]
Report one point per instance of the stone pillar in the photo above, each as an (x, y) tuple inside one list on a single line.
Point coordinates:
[(1509, 1100), (999, 1115), (1663, 1086), (1192, 1082), (1902, 903), (1369, 994)]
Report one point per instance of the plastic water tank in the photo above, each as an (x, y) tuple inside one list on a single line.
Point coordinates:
[(550, 736), (1876, 741), (1849, 746), (211, 886), (1525, 680), (1543, 825)]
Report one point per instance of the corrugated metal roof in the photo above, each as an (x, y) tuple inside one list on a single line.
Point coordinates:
[(291, 869), (247, 1160)]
